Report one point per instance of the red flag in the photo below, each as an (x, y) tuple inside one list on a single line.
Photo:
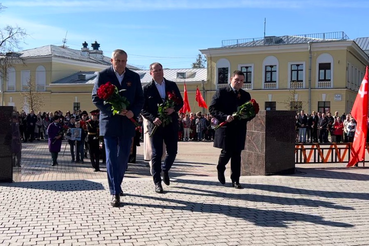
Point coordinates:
[(360, 113), (186, 105), (200, 100)]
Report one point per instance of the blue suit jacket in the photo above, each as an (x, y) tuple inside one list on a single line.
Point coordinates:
[(153, 99), (118, 125)]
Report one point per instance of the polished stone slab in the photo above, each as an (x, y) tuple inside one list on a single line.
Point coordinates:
[(270, 144), (6, 168)]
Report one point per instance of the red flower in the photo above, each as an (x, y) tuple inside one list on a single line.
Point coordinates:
[(110, 94), (165, 119)]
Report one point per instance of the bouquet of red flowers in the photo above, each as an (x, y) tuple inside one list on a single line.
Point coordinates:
[(110, 94), (246, 111), (162, 114), (61, 132)]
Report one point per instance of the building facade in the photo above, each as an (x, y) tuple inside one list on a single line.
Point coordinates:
[(317, 72)]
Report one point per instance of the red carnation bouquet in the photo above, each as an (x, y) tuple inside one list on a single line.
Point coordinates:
[(110, 94), (61, 132), (165, 119), (246, 111)]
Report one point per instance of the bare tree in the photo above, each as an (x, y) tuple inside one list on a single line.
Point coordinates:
[(200, 62), (290, 102), (10, 37), (33, 97)]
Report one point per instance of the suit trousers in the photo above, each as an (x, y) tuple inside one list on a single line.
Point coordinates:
[(117, 153), (170, 139), (235, 156)]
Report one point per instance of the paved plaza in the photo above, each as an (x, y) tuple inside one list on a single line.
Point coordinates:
[(68, 204)]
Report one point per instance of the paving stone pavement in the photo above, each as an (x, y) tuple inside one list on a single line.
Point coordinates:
[(69, 204)]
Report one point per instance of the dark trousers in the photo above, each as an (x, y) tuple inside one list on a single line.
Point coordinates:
[(72, 145), (94, 152), (54, 157), (170, 138), (235, 156), (117, 153)]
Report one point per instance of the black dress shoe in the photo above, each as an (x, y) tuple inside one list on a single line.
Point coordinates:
[(237, 185), (221, 177), (121, 193), (166, 179), (158, 188), (115, 201), (97, 170)]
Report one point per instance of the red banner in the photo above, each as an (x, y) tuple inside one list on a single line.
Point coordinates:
[(360, 113), (186, 105), (200, 100)]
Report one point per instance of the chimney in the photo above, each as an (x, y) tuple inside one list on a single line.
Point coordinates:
[(95, 52), (85, 50)]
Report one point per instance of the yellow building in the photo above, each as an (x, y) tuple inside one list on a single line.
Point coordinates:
[(320, 72), (63, 78)]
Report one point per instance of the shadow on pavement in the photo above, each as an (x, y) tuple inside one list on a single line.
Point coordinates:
[(333, 173), (65, 185), (259, 217)]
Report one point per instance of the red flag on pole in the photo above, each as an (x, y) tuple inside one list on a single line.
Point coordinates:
[(186, 105), (360, 113), (200, 100)]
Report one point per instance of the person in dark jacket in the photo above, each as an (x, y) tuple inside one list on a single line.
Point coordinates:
[(157, 92), (55, 135), (230, 137)]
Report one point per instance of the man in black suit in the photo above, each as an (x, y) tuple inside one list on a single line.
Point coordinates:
[(230, 137), (156, 92), (118, 130)]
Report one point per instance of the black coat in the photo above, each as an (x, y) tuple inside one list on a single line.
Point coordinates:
[(225, 102), (153, 99)]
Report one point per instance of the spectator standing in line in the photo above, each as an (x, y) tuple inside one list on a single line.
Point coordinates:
[(31, 124), (54, 132), (186, 127), (338, 129), (302, 124)]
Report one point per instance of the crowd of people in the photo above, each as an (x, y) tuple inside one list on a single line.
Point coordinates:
[(319, 127)]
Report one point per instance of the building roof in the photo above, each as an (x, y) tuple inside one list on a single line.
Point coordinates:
[(286, 39), (188, 75), (68, 53), (363, 43), (78, 78)]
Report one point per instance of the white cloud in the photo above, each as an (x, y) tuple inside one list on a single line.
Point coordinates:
[(137, 5), (40, 33)]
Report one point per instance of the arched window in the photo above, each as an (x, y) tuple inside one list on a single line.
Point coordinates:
[(324, 69), (270, 72), (222, 72), (40, 78), (10, 83)]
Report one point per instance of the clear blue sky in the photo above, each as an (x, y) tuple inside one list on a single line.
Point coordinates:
[(173, 31)]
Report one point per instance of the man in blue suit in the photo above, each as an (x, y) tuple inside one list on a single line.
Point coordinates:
[(156, 93), (118, 130)]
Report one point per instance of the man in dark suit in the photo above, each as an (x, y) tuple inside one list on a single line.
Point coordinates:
[(118, 129), (230, 137), (156, 92)]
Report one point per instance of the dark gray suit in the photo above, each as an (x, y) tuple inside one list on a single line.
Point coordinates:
[(168, 133)]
